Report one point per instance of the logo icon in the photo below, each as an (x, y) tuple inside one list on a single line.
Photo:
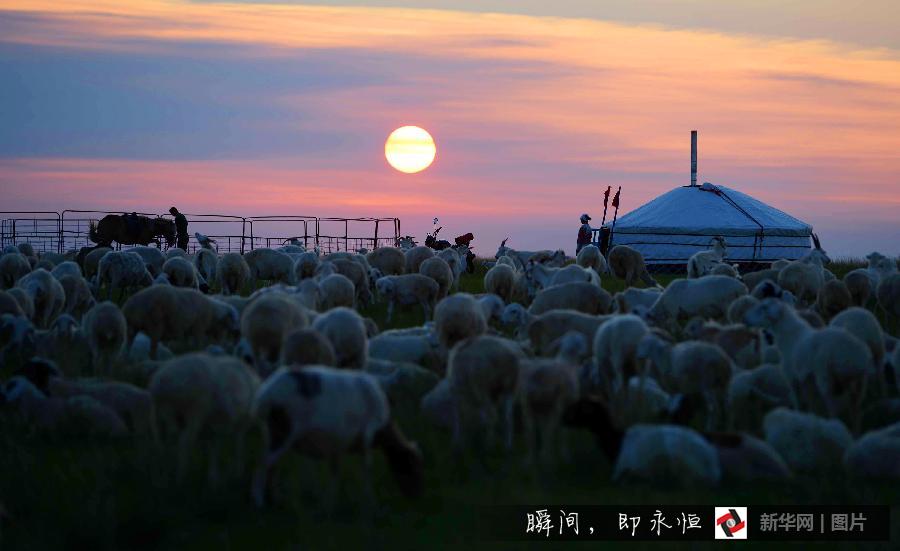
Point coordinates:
[(731, 523)]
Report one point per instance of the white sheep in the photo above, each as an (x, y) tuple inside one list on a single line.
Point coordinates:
[(457, 262), (805, 276), (863, 324), (232, 273), (78, 295), (458, 317), (819, 363), (546, 330), (205, 261), (356, 272), (491, 307), (305, 266), (81, 415), (501, 281), (875, 455), (307, 346), (863, 282), (47, 295), (628, 264), (833, 298), (615, 347), (107, 332), (807, 443), (91, 263), (326, 413), (574, 273), (122, 270), (483, 374), (153, 258), (407, 290), (415, 256), (730, 270), (9, 305), (181, 273), (389, 260), (708, 296), (629, 299), (266, 322), (24, 300), (553, 258), (269, 264), (336, 291), (582, 296), (199, 392), (175, 252), (13, 267), (888, 294), (667, 454), (590, 257), (345, 329), (752, 279), (437, 269), (132, 404), (405, 384), (739, 307), (424, 350), (703, 262), (66, 268)]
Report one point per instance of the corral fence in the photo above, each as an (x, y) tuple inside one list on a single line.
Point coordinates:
[(59, 232)]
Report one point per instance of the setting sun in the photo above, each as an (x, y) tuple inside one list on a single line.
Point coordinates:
[(409, 149)]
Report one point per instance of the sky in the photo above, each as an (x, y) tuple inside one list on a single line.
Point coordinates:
[(252, 108)]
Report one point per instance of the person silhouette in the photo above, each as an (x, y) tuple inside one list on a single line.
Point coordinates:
[(584, 233), (181, 224)]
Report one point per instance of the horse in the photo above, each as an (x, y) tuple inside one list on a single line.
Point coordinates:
[(132, 230)]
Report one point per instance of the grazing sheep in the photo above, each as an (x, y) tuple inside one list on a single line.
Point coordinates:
[(78, 295), (863, 282), (582, 296), (423, 350), (754, 392), (9, 305), (304, 347), (888, 294), (863, 325), (752, 279), (389, 260), (47, 295), (164, 312), (407, 290), (437, 269), (730, 270), (747, 459), (205, 261), (180, 272), (13, 267), (708, 296), (405, 384), (829, 367), (107, 332), (232, 273), (546, 330), (336, 291), (703, 262), (501, 281), (875, 455), (574, 273), (739, 307), (457, 262), (91, 263), (325, 413), (175, 252), (415, 257), (483, 374), (266, 322), (631, 298), (132, 404), (833, 298), (805, 276), (491, 307), (345, 329), (457, 318), (123, 270), (628, 264), (153, 258), (24, 299), (357, 274), (66, 268), (271, 265), (80, 415), (198, 392), (667, 454), (590, 257), (306, 265), (807, 443)]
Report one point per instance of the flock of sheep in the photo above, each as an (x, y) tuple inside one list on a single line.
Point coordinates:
[(718, 376)]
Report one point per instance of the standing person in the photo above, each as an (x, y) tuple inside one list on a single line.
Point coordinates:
[(584, 233), (181, 234)]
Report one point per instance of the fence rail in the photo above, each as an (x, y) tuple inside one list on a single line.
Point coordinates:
[(49, 231)]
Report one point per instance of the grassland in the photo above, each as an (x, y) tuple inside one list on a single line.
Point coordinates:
[(58, 493)]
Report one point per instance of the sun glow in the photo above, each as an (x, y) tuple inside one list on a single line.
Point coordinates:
[(410, 149)]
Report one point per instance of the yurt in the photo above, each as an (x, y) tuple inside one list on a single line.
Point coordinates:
[(677, 224)]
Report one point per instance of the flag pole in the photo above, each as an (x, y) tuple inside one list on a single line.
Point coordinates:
[(605, 203), (616, 214)]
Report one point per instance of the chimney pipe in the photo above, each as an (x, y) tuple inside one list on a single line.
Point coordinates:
[(693, 157)]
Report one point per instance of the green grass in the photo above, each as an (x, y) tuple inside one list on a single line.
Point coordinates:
[(62, 493)]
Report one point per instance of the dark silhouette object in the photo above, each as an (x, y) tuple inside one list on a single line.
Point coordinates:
[(181, 225), (432, 241), (125, 230), (584, 233)]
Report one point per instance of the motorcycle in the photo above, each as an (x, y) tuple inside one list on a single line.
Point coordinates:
[(462, 242)]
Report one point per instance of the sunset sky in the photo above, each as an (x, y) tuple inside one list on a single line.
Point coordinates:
[(254, 108)]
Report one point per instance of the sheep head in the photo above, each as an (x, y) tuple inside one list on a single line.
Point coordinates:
[(385, 286), (765, 314)]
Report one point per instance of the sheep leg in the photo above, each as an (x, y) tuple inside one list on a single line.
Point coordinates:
[(390, 311)]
